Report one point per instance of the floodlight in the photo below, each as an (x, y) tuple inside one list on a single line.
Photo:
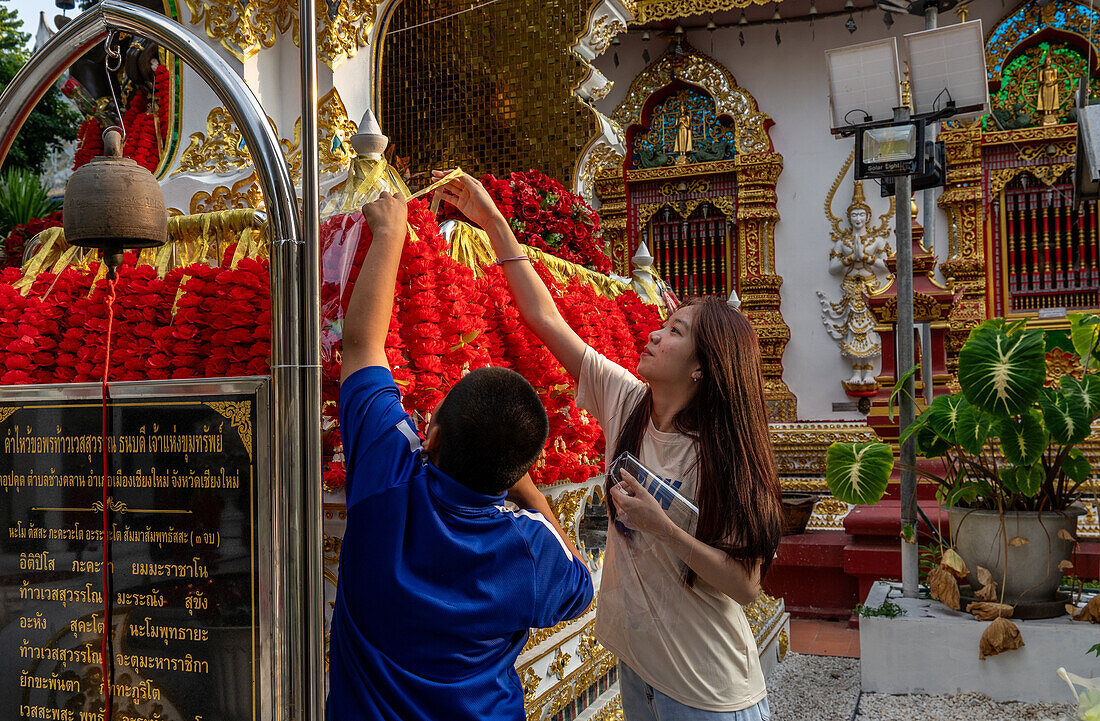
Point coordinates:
[(864, 83), (888, 151), (889, 144), (948, 65)]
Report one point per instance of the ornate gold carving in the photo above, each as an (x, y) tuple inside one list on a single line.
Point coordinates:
[(697, 69), (530, 681), (565, 508), (335, 131), (1061, 363), (570, 687), (220, 150), (681, 171), (7, 411), (800, 447), (602, 157), (784, 644), (649, 10), (613, 711), (239, 415), (244, 194), (1048, 174), (343, 29), (605, 28), (829, 514), (588, 647), (1048, 134), (699, 186), (1051, 150), (243, 28), (558, 665)]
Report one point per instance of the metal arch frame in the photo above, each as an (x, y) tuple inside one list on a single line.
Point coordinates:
[(297, 689)]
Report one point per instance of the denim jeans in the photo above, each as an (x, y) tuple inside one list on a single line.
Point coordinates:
[(642, 702)]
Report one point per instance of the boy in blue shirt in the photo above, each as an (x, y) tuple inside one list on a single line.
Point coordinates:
[(439, 582)]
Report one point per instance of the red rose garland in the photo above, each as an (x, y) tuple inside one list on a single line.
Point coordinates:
[(544, 215), (17, 239)]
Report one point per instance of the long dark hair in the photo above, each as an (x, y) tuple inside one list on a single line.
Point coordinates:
[(738, 490)]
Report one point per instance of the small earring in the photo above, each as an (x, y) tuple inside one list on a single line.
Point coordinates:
[(696, 378)]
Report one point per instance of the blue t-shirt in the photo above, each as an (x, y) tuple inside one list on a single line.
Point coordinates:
[(438, 584)]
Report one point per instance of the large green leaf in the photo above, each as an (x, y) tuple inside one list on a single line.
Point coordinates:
[(1076, 466), (1084, 332), (930, 444), (858, 472), (944, 416), (1086, 391), (1029, 480), (1000, 372), (1023, 441), (974, 428), (1064, 416)]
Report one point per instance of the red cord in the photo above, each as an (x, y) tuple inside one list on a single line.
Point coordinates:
[(106, 572)]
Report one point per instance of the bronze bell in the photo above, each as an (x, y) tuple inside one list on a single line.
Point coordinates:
[(114, 204)]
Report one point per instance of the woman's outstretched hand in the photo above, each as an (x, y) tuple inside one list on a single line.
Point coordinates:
[(638, 510), (468, 195), (387, 217)]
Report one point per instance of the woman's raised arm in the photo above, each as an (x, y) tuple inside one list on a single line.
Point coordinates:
[(533, 300)]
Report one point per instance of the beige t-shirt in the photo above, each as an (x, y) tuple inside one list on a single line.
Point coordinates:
[(692, 644)]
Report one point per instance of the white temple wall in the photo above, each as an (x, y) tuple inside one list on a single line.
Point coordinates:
[(790, 84)]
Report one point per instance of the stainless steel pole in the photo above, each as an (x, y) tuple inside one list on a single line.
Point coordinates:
[(312, 608), (931, 19), (907, 404)]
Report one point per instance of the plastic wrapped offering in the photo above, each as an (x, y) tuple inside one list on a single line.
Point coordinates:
[(683, 512)]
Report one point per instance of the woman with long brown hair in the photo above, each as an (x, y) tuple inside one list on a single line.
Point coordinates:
[(672, 594)]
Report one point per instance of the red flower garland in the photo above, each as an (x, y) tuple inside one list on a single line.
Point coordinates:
[(145, 131), (201, 321)]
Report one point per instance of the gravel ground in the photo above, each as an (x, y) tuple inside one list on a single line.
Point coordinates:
[(824, 688)]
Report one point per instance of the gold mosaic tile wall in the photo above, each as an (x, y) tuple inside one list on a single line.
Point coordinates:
[(489, 89)]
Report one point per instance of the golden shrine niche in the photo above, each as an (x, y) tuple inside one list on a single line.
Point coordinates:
[(1016, 246), (697, 185), (492, 94)]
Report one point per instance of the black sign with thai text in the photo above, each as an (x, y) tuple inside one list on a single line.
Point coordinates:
[(183, 574)]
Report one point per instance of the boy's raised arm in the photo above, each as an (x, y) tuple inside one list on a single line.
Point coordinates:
[(368, 317)]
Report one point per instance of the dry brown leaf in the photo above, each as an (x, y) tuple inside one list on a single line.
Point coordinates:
[(988, 590), (1071, 609), (1001, 635), (989, 611), (954, 563), (945, 588), (1016, 541), (1066, 535), (1065, 566), (1091, 611)]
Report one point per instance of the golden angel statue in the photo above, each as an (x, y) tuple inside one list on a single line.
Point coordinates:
[(858, 255)]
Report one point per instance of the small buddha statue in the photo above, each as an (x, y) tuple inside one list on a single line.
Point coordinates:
[(1047, 101)]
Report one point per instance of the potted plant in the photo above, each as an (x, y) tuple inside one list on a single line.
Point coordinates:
[(1011, 472)]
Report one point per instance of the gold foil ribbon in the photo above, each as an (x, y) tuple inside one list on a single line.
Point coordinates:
[(470, 246)]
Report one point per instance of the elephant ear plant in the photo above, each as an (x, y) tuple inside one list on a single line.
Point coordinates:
[(1005, 443)]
